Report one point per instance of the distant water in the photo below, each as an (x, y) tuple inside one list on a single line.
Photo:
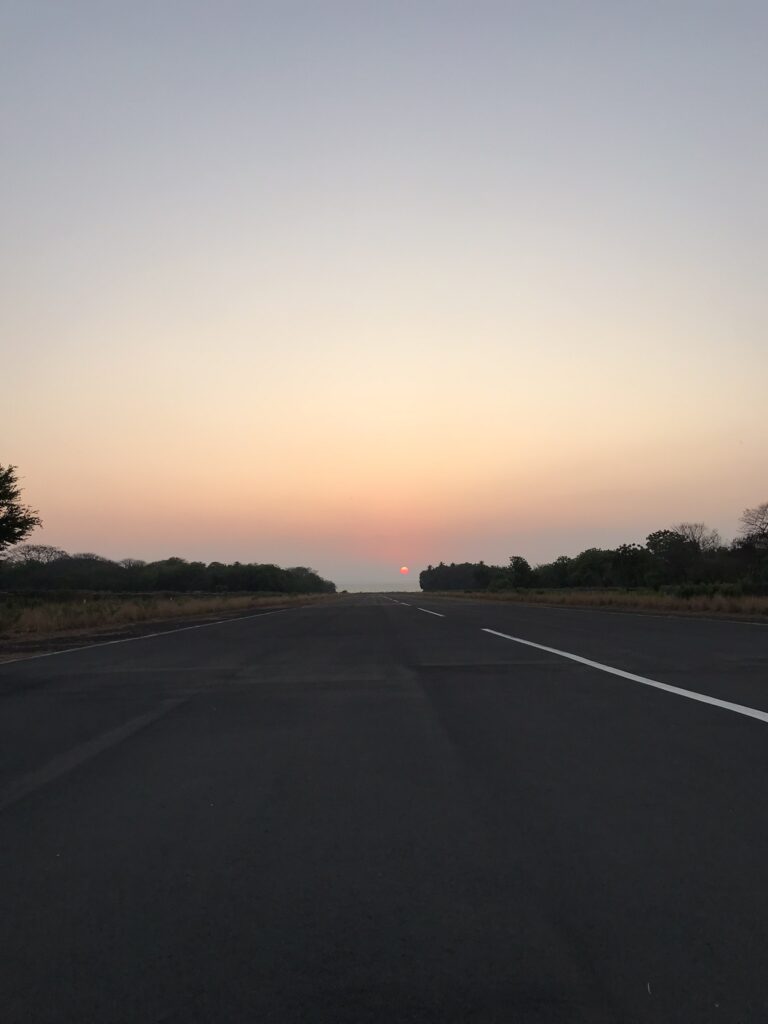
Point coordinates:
[(377, 586)]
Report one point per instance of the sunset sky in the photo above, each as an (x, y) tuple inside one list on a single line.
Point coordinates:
[(357, 285)]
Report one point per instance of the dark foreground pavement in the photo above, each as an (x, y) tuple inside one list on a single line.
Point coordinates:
[(364, 812)]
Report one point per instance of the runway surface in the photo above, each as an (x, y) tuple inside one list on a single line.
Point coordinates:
[(375, 810)]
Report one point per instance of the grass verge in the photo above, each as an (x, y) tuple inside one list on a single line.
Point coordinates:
[(38, 617), (746, 606)]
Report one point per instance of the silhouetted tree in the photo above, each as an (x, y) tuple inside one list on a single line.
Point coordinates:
[(754, 524), (631, 564), (700, 535), (40, 553), (687, 556), (592, 568), (17, 521), (675, 554), (21, 570), (520, 572)]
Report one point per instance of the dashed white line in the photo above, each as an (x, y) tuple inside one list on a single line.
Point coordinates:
[(739, 709), (439, 614)]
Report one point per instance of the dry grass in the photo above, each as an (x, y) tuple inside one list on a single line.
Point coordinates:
[(628, 600), (97, 612)]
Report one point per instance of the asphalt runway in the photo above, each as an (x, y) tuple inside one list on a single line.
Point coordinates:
[(375, 810)]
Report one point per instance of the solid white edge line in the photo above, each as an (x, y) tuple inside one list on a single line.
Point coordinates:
[(439, 614), (145, 636), (702, 698)]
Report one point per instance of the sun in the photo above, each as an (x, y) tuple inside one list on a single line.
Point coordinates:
[(404, 570)]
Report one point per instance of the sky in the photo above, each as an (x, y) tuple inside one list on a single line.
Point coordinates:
[(360, 285)]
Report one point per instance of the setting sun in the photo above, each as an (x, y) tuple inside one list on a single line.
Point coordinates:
[(404, 570)]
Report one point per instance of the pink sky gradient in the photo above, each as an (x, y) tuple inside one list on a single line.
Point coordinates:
[(377, 287)]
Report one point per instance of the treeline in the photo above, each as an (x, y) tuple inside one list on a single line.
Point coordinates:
[(41, 567), (687, 558)]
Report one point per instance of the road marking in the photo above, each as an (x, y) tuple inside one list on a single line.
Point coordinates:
[(144, 636), (439, 614), (740, 709), (59, 766)]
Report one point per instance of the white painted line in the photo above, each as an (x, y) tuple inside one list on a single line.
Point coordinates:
[(439, 614), (145, 636), (740, 709)]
